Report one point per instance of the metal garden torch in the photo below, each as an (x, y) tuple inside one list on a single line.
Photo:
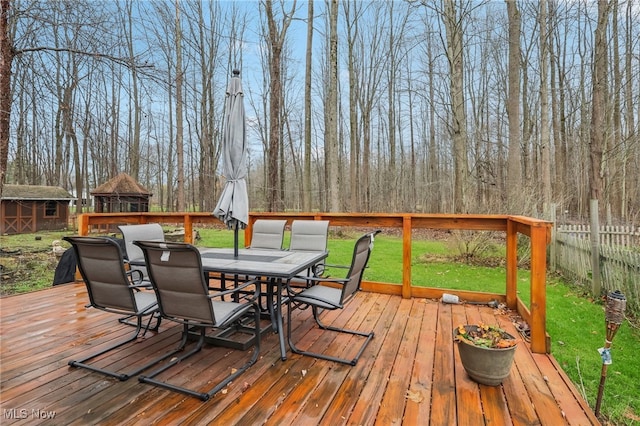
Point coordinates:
[(614, 316)]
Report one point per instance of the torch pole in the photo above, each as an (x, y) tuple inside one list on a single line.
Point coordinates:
[(614, 315)]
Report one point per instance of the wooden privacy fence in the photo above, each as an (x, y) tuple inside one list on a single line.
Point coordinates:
[(609, 235), (619, 256)]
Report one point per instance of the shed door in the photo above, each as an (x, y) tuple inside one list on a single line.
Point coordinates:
[(18, 217)]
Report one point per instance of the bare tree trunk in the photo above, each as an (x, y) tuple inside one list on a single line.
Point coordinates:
[(433, 172), (557, 111), (331, 132), (514, 170), (275, 96), (134, 128), (545, 139), (598, 121), (307, 187), (354, 134), (391, 191), (413, 184), (458, 127), (180, 201), (276, 38), (70, 135), (632, 134), (6, 58), (618, 161)]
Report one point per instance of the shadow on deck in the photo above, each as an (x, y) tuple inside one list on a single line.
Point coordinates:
[(410, 373)]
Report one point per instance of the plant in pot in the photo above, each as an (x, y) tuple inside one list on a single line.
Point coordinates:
[(486, 352)]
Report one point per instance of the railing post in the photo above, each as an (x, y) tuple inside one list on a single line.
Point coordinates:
[(512, 265), (83, 224), (188, 228), (406, 257), (539, 239)]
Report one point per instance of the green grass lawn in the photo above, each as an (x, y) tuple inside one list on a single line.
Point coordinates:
[(574, 321)]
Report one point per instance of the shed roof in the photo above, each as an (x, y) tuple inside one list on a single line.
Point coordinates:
[(35, 192), (122, 184)]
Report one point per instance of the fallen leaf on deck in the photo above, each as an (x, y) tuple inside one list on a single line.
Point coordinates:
[(415, 396)]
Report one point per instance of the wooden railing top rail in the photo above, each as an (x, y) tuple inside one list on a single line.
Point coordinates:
[(538, 231)]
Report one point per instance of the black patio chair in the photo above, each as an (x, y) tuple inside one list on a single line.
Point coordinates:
[(113, 289), (176, 274), (331, 294)]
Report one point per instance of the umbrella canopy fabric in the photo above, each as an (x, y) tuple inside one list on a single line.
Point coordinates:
[(233, 205)]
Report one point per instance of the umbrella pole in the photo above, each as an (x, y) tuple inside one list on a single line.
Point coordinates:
[(614, 315), (235, 240)]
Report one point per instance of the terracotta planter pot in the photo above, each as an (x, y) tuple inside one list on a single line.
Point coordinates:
[(487, 366)]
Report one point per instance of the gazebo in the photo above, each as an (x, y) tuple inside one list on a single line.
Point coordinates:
[(121, 194)]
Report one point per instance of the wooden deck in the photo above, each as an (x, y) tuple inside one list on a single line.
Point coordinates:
[(410, 373)]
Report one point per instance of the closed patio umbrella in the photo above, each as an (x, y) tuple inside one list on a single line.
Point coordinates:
[(233, 205)]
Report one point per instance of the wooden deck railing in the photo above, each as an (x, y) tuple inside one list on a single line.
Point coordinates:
[(538, 231)]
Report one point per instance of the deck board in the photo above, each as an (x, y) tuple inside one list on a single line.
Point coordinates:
[(410, 372)]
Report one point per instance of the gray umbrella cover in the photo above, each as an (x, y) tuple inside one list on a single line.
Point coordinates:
[(233, 205)]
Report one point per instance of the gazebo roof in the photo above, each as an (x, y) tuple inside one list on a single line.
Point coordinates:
[(35, 192), (122, 184)]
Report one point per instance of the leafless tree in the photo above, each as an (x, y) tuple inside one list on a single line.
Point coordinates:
[(307, 187), (277, 32), (6, 58), (452, 16), (545, 137), (598, 101), (514, 169)]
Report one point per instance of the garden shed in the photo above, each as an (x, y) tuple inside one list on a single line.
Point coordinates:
[(31, 208), (122, 194)]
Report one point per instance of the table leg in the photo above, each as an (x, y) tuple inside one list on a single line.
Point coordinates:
[(278, 319)]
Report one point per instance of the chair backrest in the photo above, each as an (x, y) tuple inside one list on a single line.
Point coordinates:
[(102, 268), (361, 253), (268, 234), (175, 270), (309, 235), (146, 232)]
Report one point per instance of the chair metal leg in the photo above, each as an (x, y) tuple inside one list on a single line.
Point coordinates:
[(351, 362), (126, 320), (120, 376), (204, 396)]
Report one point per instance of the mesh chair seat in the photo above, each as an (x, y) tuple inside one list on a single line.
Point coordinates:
[(321, 296)]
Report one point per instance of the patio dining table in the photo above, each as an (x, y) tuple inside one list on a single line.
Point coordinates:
[(277, 267)]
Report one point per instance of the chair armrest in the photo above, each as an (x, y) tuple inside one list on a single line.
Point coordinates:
[(315, 280), (144, 285), (237, 289), (138, 282), (135, 280), (331, 265)]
